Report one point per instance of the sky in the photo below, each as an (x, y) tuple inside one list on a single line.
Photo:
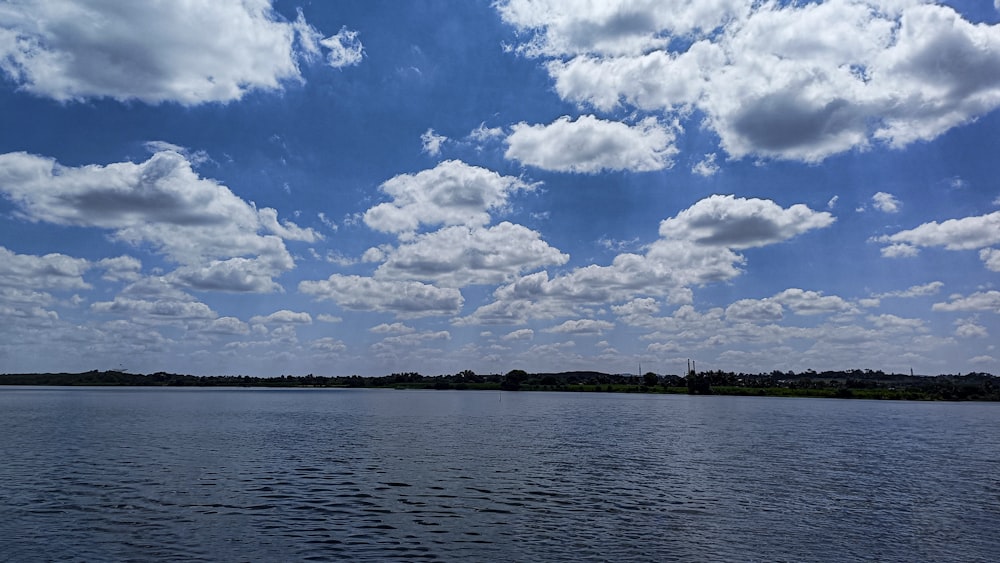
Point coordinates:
[(264, 187)]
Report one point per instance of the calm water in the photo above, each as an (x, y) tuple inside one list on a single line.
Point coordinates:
[(294, 475)]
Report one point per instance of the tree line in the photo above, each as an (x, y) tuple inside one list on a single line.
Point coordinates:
[(855, 383)]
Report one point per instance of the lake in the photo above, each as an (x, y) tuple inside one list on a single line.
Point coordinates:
[(145, 474)]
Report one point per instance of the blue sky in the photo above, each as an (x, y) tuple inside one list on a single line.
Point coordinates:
[(256, 187)]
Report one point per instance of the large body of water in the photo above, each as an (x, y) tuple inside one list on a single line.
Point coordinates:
[(120, 474)]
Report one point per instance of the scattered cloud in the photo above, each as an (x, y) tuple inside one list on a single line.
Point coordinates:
[(696, 247), (799, 81), (990, 257), (969, 328), (707, 166), (755, 310), (582, 326), (520, 334), (740, 223), (900, 251), (886, 203), (394, 328), (432, 142), (979, 301), (589, 145), (802, 302), (195, 222), (968, 233), (458, 256), (71, 50), (931, 288), (405, 299), (452, 193), (283, 316), (345, 48)]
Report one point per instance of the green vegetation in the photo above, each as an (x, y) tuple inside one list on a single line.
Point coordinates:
[(852, 384)]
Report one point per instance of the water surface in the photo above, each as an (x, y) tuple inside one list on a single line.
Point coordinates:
[(276, 475)]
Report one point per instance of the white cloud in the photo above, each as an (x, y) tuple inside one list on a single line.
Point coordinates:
[(833, 202), (432, 142), (286, 229), (390, 345), (740, 223), (396, 328), (615, 27), (520, 334), (755, 310), (155, 299), (483, 134), (893, 322), (345, 48), (225, 326), (52, 271), (915, 291), (122, 268), (803, 302), (707, 166), (328, 345), (798, 81), (696, 248), (325, 318), (969, 328), (166, 309), (194, 221), (189, 53), (991, 257), (979, 301), (590, 145), (458, 256), (403, 298), (900, 251), (967, 233), (885, 202), (582, 326), (283, 316), (452, 193), (984, 359)]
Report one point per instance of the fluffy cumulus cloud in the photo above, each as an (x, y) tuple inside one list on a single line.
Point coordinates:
[(190, 53), (221, 241), (991, 257), (458, 256), (886, 203), (738, 223), (591, 145), (755, 310), (582, 326), (787, 80), (283, 316), (979, 301), (803, 302), (52, 271), (345, 48), (452, 193), (432, 142), (915, 291), (969, 328), (155, 300), (968, 233), (403, 298), (696, 247)]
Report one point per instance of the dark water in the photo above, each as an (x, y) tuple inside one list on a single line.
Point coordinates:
[(296, 475)]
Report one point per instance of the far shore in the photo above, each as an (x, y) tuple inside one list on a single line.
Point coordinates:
[(851, 384)]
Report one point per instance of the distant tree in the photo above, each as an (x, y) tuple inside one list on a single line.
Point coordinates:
[(650, 379), (513, 380)]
